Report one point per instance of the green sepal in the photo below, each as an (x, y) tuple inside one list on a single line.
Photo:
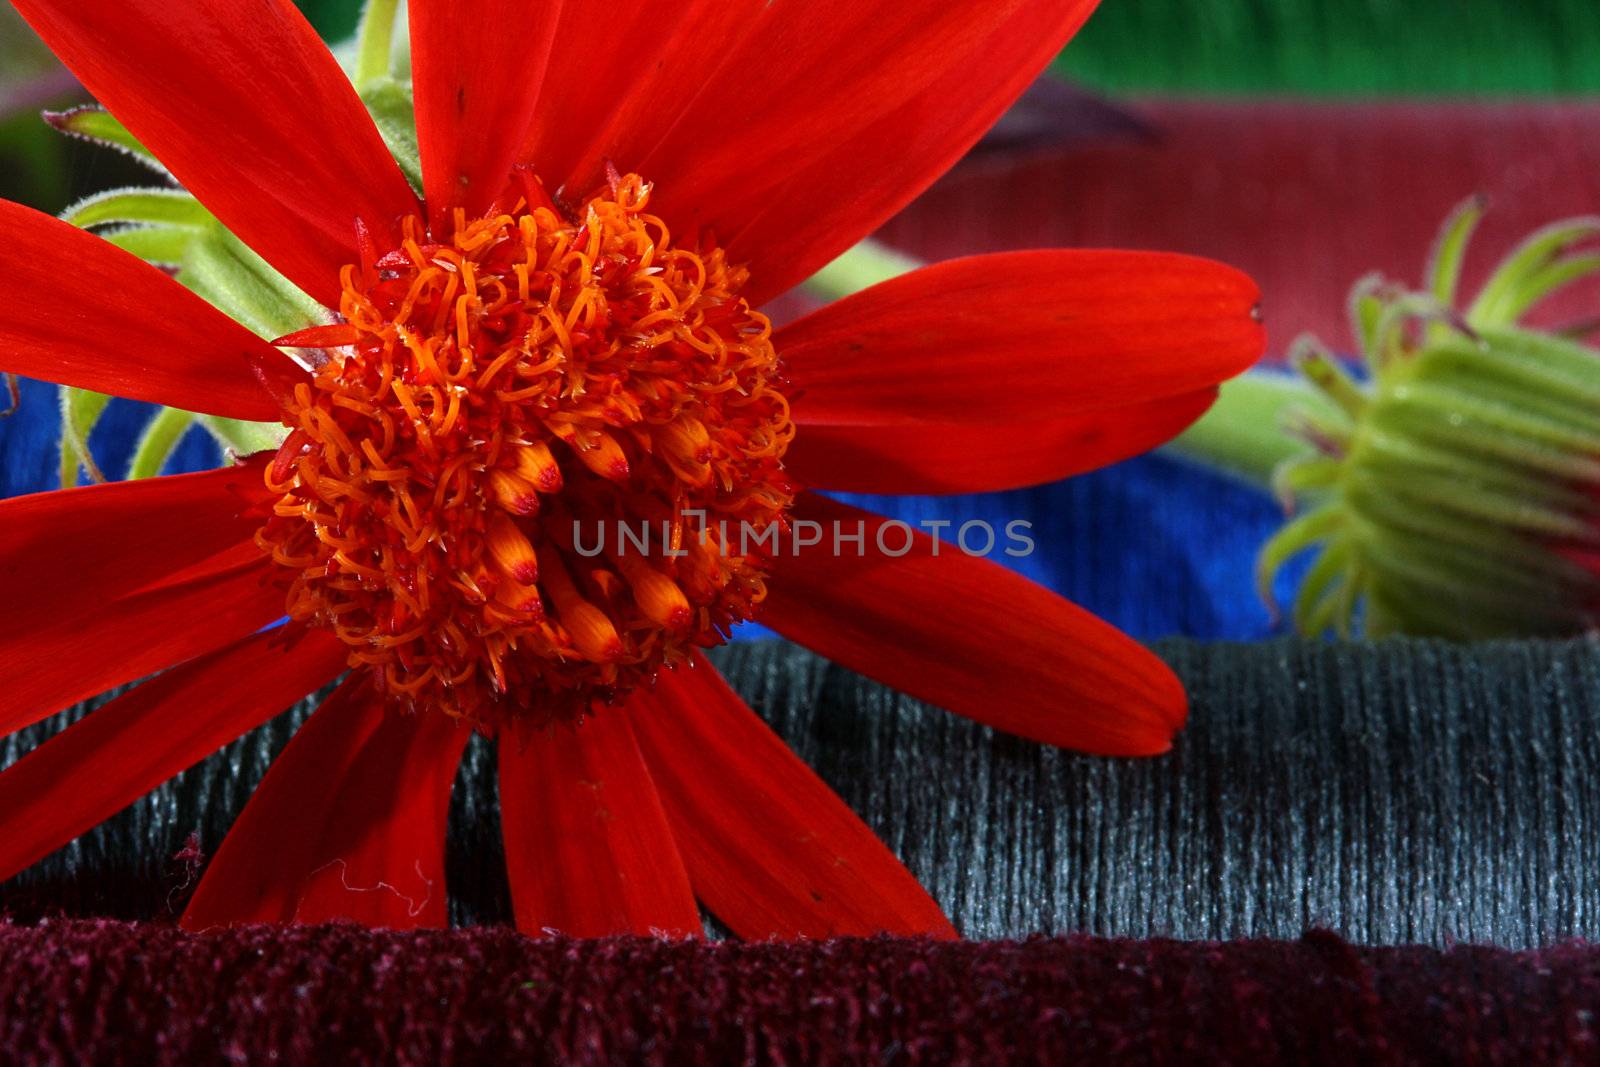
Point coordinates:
[(1459, 490), (233, 278), (80, 411), (1557, 274), (1517, 375), (1567, 365), (1244, 433), (1295, 537), (1327, 428), (1400, 457), (163, 207), (389, 102), (862, 266), (1318, 602), (160, 439), (1365, 308), (1389, 333), (1388, 519), (171, 228), (1323, 371), (1450, 249), (1500, 296), (1444, 410), (165, 246), (1300, 474), (243, 438), (374, 46), (1483, 600), (1448, 494), (95, 124)]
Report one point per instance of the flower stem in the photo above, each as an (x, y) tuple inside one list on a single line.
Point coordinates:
[(159, 441), (243, 438), (861, 267), (375, 41), (1243, 434)]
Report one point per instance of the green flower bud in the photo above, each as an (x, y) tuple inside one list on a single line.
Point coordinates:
[(1454, 489)]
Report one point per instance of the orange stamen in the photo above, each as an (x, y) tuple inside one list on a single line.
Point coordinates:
[(593, 634), (514, 492), (489, 381), (519, 597), (320, 337), (512, 552), (658, 596), (537, 464)]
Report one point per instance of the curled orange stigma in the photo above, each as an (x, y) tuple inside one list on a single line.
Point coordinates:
[(503, 488)]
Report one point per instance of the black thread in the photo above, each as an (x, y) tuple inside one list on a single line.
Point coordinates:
[(1403, 792)]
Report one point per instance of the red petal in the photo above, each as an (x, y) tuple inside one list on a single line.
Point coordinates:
[(1023, 336), (476, 73), (771, 850), (82, 312), (950, 457), (999, 371), (588, 847), (130, 638), (100, 765), (831, 115), (621, 74), (245, 105), (67, 553), (971, 636), (349, 823), (319, 337)]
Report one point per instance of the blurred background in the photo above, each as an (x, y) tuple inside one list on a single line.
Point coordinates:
[(1308, 142)]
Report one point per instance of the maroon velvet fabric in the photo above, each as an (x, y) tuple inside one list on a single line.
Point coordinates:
[(100, 991)]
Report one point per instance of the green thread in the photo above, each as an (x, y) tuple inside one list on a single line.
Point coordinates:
[(1339, 47)]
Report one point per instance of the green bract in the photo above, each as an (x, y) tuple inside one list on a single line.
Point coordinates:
[(1456, 490), (168, 227)]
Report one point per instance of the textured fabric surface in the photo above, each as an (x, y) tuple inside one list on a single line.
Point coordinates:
[(105, 992), (1394, 793), (1305, 197), (1314, 46), (1346, 47)]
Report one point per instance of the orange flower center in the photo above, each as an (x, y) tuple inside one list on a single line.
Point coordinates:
[(514, 485)]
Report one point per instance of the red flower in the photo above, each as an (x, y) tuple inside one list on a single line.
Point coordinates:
[(510, 363)]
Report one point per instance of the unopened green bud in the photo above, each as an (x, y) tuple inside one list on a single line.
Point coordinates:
[(1455, 491)]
